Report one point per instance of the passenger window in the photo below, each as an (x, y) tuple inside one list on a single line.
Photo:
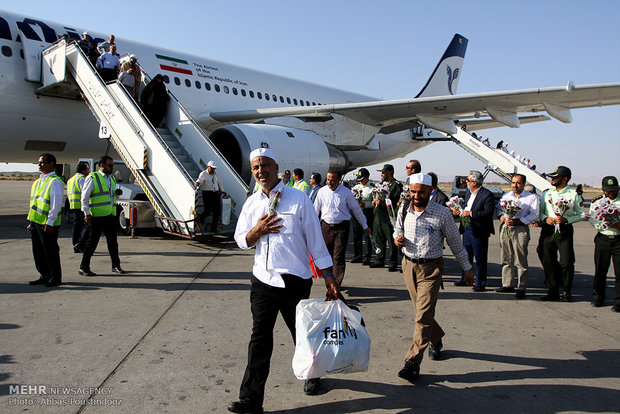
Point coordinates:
[(251, 94), (313, 103), (198, 85), (188, 83), (243, 92), (307, 103), (177, 81), (267, 96), (235, 91), (301, 102), (259, 95), (207, 86), (226, 90), (166, 79), (275, 98), (288, 100), (7, 51), (217, 87)]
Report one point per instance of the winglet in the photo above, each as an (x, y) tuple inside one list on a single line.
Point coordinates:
[(445, 78)]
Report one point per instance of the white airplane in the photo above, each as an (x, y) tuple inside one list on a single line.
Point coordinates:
[(242, 109)]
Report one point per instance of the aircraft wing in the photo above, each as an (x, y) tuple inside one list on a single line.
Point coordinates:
[(439, 112)]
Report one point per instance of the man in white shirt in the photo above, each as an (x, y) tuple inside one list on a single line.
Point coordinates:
[(104, 47), (282, 224), (515, 236), (334, 204), (212, 190), (109, 63)]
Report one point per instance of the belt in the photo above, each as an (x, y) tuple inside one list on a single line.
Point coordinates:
[(422, 260), (342, 223), (610, 236)]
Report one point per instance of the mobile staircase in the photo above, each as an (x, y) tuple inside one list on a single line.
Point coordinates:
[(165, 161)]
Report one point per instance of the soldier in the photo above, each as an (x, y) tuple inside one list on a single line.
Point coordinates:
[(364, 188), (606, 246), (383, 228)]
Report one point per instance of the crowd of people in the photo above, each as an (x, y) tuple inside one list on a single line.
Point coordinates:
[(503, 146)]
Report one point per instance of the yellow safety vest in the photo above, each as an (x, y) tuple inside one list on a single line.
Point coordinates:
[(99, 202), (301, 185), (74, 192), (40, 200)]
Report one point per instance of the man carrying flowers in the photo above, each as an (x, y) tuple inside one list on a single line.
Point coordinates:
[(560, 207)]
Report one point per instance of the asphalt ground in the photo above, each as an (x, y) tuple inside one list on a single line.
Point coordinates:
[(171, 336)]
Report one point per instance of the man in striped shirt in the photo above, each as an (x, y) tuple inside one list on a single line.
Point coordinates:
[(420, 229)]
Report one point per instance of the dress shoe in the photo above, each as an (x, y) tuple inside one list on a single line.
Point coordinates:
[(479, 289), (550, 297), (615, 308), (393, 268), (245, 406), (39, 281), (566, 297), (117, 269), (312, 385), (459, 283), (505, 289), (520, 294), (87, 272), (597, 303), (357, 260), (410, 372), (366, 263), (376, 265), (53, 283), (434, 351)]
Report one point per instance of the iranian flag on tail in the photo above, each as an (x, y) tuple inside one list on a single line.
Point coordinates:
[(173, 64)]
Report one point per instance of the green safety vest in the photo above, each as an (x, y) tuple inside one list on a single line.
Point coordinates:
[(40, 200), (74, 192), (99, 202)]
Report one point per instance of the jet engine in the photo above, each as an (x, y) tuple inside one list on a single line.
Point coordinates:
[(293, 148)]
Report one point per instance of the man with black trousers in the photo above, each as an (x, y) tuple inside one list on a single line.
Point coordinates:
[(476, 227)]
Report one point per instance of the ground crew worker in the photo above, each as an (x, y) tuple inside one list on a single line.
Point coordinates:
[(383, 229), (300, 184), (99, 207), (74, 194), (44, 216), (606, 246)]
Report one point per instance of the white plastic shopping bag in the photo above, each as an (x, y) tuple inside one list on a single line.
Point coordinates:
[(226, 207), (330, 338)]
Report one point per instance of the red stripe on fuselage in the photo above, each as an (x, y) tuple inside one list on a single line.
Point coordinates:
[(178, 70)]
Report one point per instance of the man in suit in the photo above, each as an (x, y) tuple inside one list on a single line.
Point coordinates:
[(476, 227), (437, 195)]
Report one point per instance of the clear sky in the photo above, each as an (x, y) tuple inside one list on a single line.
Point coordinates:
[(388, 49)]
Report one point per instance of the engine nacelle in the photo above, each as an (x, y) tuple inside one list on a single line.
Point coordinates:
[(293, 148)]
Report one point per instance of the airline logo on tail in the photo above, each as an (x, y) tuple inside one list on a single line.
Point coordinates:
[(451, 77)]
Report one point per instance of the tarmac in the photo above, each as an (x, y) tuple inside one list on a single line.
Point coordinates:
[(171, 336)]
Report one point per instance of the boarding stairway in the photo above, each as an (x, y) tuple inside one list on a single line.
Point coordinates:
[(497, 160), (165, 161)]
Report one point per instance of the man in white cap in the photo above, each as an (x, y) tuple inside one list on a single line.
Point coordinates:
[(283, 226), (420, 229), (212, 189)]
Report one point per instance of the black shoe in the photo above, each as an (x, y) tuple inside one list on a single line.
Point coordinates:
[(520, 294), (245, 406), (117, 269), (366, 262), (505, 289), (566, 297), (597, 303), (393, 268), (53, 283), (376, 265), (312, 385), (479, 289), (357, 260), (434, 351), (40, 281), (615, 308), (459, 283), (87, 272), (550, 297), (410, 372)]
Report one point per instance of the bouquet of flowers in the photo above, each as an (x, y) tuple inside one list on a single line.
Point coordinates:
[(510, 208), (357, 193), (380, 192), (375, 246), (605, 214), (458, 202), (405, 195), (274, 200), (559, 208), (390, 209)]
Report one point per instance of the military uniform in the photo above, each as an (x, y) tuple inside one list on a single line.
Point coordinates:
[(358, 231), (383, 229), (606, 249)]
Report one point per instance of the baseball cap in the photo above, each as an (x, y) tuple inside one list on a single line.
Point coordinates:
[(387, 167), (610, 183), (362, 173), (560, 171), (211, 164)]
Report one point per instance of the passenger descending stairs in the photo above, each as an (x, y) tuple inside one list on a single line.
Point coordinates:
[(497, 160), (165, 161)]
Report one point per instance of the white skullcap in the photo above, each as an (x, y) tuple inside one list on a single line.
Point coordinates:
[(262, 152), (420, 179), (211, 164)]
